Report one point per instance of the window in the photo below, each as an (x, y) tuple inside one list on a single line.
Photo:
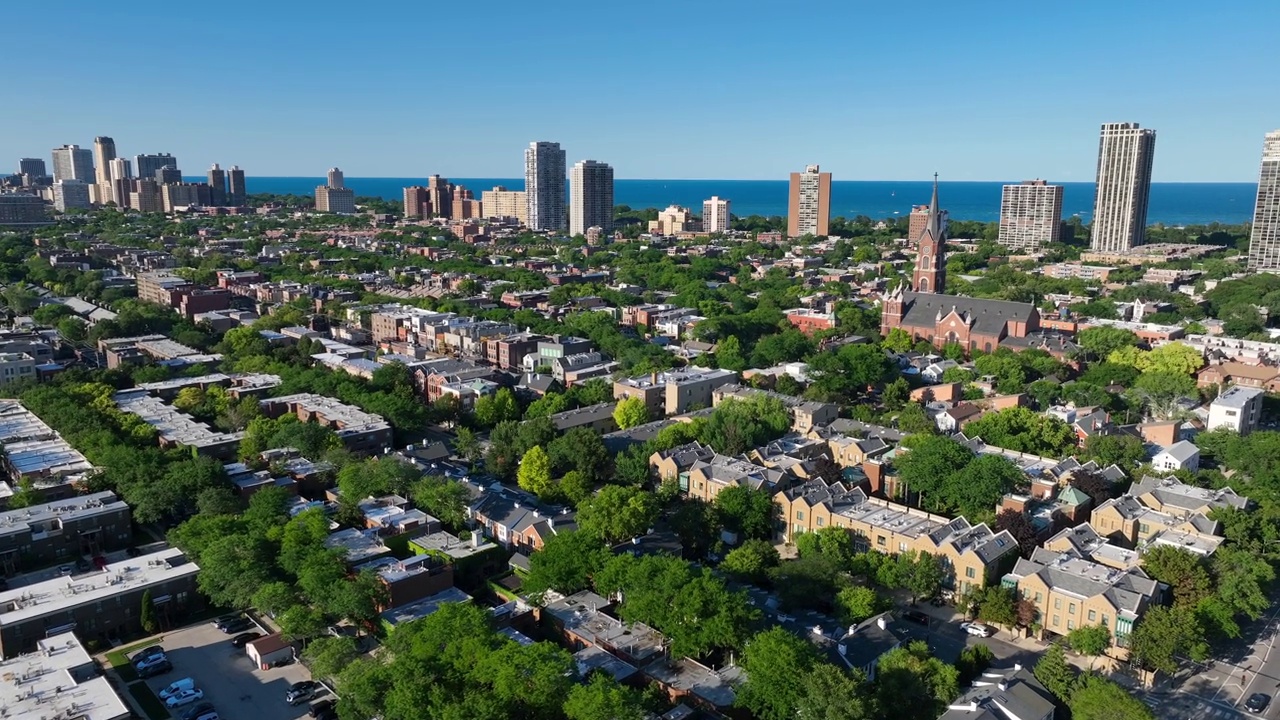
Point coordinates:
[(818, 522), (1071, 608), (799, 514), (1105, 622), (1071, 624), (1144, 528), (880, 540), (1039, 598), (1057, 603), (902, 547), (1093, 615), (1055, 620), (970, 573)]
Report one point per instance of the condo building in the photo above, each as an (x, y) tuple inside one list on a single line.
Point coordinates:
[(809, 205), (591, 197), (334, 196), (236, 188), (1125, 153), (544, 170), (1030, 215), (217, 186), (503, 203), (1264, 243), (715, 215), (148, 165), (72, 162)]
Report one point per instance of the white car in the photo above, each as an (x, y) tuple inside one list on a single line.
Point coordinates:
[(978, 629), (176, 687), (184, 697)]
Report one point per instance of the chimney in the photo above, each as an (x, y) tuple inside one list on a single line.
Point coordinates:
[(1017, 667), (880, 623), (1003, 685), (475, 539)]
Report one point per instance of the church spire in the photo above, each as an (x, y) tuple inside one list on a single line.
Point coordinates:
[(931, 261)]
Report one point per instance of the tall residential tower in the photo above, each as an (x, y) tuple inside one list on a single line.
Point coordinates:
[(236, 189), (590, 197), (217, 186), (809, 206), (1030, 215), (715, 215), (544, 185), (146, 166), (1264, 244), (72, 162), (1125, 152)]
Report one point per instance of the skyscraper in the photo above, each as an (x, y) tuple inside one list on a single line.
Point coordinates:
[(715, 215), (416, 204), (931, 260), (167, 175), (809, 206), (334, 197), (1124, 185), (147, 165), (544, 185), (1264, 243), (120, 180), (1030, 215), (590, 197), (335, 179), (217, 186), (104, 151), (236, 193), (34, 167), (72, 162), (440, 196), (146, 196), (71, 194)]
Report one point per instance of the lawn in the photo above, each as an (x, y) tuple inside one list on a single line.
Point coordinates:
[(119, 658), (147, 700)]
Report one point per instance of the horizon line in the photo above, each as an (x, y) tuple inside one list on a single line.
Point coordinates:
[(655, 179)]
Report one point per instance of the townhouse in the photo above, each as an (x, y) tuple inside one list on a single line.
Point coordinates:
[(673, 392), (1166, 511), (42, 535)]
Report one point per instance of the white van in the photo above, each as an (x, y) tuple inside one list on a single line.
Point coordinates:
[(176, 687)]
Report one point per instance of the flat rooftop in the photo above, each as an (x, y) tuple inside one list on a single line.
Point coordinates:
[(678, 377), (172, 424), (60, 680), (424, 607), (76, 508), (361, 546), (352, 419), (23, 604), (452, 545), (33, 447)]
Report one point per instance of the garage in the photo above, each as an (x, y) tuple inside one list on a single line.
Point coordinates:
[(267, 650)]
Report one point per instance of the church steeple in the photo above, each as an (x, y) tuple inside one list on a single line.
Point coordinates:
[(929, 275)]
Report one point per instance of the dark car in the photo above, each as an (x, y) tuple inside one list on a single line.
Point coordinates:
[(301, 692), (916, 616), (322, 708), (1257, 702), (244, 639), (197, 710), (227, 619), (155, 669), (238, 625), (147, 652)]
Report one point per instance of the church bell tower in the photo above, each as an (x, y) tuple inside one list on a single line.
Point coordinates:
[(930, 275)]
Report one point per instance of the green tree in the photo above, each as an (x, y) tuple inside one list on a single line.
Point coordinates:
[(895, 394), (301, 622), (922, 574), (981, 484), (441, 498), (931, 461), (1097, 698), (1091, 640), (1185, 573), (776, 663), (750, 513), (602, 698), (467, 445), (630, 412), (997, 605), (913, 685), (729, 354), (581, 449), (857, 603), (534, 474), (1099, 342), (532, 679), (617, 513), (829, 693), (1163, 635), (566, 563), (327, 656), (493, 409), (898, 340), (1123, 451), (751, 561), (1025, 431), (149, 623), (1055, 673), (972, 661)]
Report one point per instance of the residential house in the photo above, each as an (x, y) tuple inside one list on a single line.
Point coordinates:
[(865, 643), (1235, 373), (805, 414), (706, 479), (1237, 409), (597, 418), (673, 392), (954, 418), (1182, 455), (1003, 694)]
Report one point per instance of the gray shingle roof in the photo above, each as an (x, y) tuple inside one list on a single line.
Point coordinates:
[(989, 316)]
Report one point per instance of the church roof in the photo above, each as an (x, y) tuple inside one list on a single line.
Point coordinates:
[(989, 316)]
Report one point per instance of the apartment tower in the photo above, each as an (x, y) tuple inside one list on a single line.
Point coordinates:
[(1030, 215), (919, 220), (715, 215), (34, 167), (335, 179), (148, 165), (1125, 153), (334, 196), (544, 165), (1264, 243), (104, 151), (120, 177), (809, 207), (416, 204), (217, 186), (440, 196), (590, 197), (72, 162), (503, 203), (236, 194)]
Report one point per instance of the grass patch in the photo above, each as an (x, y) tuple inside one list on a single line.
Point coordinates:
[(119, 658), (151, 705)]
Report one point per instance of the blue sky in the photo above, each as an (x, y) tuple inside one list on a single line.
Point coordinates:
[(697, 89)]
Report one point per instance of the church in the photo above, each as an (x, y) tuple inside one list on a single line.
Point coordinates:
[(973, 323)]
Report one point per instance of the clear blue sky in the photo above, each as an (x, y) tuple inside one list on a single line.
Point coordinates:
[(698, 89)]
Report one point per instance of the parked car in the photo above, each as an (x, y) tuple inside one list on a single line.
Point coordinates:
[(176, 687), (149, 662), (197, 710), (184, 697), (244, 639), (236, 626), (978, 629), (155, 668), (227, 620), (319, 708), (1257, 703), (210, 715), (916, 616), (147, 652), (303, 691)]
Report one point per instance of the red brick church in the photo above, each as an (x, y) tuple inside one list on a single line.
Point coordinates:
[(974, 323)]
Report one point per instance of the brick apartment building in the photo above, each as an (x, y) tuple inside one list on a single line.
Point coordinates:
[(43, 535)]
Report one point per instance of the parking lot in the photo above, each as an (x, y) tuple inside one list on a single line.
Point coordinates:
[(237, 689)]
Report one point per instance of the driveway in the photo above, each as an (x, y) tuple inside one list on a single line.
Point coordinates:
[(229, 679)]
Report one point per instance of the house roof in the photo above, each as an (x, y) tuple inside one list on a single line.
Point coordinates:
[(989, 317), (868, 640), (1009, 694), (1181, 451)]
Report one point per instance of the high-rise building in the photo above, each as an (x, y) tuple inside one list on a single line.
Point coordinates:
[(1030, 215), (21, 210), (465, 205), (176, 195), (147, 165), (544, 186), (236, 191), (809, 206), (931, 260), (120, 180), (1264, 243), (672, 221), (335, 179), (919, 220), (590, 197), (715, 215), (104, 151), (167, 175), (72, 162), (146, 196), (34, 167), (503, 203), (71, 195), (335, 197), (217, 186), (416, 202), (1125, 153), (440, 195)]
